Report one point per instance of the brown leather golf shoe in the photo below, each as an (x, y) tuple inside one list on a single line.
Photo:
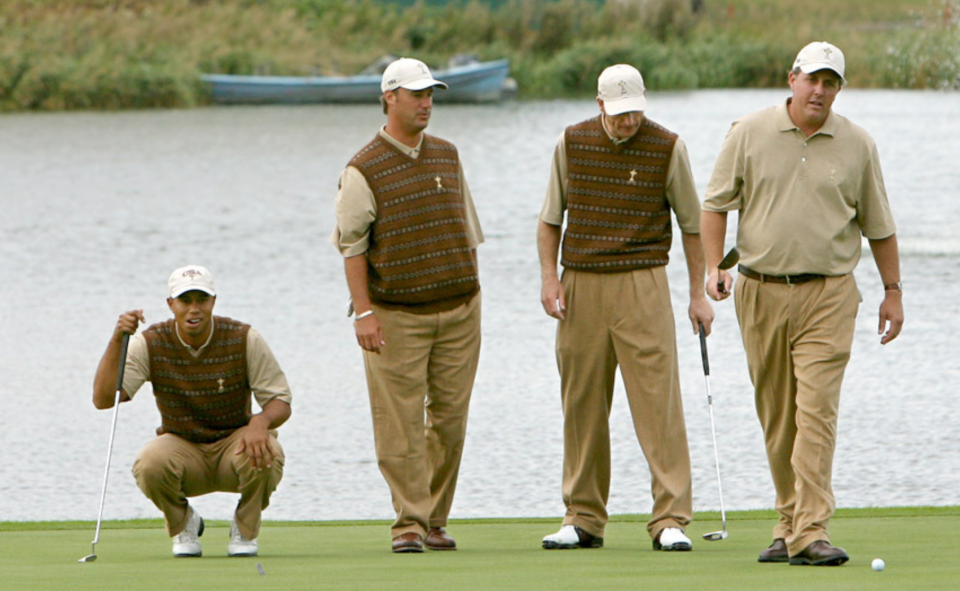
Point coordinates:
[(439, 539), (777, 552), (821, 553), (408, 542)]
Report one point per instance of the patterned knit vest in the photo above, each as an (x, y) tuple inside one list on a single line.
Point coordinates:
[(618, 216), (419, 256), (205, 398)]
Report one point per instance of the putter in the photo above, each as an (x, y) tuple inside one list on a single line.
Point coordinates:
[(722, 534), (113, 431), (732, 258)]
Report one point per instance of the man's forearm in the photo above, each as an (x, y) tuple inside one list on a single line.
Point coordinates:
[(275, 413), (713, 232), (356, 271), (548, 245), (693, 251), (886, 255)]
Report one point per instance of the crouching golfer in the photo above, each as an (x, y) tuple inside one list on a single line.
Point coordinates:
[(203, 369)]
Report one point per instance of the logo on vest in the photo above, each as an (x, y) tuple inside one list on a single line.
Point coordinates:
[(633, 180), (439, 185), (220, 383)]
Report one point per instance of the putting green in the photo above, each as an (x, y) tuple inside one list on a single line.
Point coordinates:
[(917, 543)]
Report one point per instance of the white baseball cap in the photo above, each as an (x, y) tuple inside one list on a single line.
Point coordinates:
[(621, 89), (410, 74), (821, 55), (189, 278)]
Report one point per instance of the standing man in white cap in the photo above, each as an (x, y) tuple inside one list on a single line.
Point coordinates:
[(807, 184), (617, 177), (203, 369), (408, 232)]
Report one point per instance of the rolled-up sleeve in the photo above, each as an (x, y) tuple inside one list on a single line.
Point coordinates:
[(356, 210), (267, 380), (136, 369), (682, 190), (474, 231), (555, 201)]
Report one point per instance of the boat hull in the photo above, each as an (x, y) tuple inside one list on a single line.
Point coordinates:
[(473, 83)]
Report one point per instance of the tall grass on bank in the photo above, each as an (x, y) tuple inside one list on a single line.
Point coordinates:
[(114, 54)]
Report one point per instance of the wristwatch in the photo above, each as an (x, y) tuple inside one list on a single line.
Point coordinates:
[(898, 286)]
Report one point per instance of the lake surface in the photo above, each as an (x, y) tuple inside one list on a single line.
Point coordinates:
[(96, 209)]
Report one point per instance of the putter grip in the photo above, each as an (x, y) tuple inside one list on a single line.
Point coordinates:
[(703, 350), (123, 360)]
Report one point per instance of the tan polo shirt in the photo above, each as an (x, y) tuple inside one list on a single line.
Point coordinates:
[(267, 380), (803, 202), (356, 207), (681, 189)]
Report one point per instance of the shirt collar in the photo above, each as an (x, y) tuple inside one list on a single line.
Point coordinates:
[(411, 152), (785, 123), (203, 346), (603, 124)]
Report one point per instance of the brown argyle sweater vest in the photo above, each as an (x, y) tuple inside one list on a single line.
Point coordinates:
[(205, 398), (419, 258), (618, 216)]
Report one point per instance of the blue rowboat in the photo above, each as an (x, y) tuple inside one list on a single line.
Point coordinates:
[(479, 82)]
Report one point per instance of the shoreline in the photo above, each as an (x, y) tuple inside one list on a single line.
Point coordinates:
[(699, 516), (138, 54)]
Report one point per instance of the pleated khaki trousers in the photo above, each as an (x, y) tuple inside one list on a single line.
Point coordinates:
[(420, 386), (626, 320), (797, 340)]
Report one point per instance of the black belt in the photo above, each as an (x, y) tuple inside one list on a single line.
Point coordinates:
[(788, 279)]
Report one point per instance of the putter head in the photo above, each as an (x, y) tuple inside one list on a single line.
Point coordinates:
[(715, 536), (731, 259), (91, 558)]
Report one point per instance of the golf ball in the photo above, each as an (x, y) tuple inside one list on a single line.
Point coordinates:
[(877, 564)]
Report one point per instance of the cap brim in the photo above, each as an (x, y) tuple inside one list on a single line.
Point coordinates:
[(424, 83), (816, 67), (178, 293), (625, 105)]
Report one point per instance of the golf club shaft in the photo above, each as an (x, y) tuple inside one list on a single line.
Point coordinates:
[(113, 432), (716, 457), (713, 429)]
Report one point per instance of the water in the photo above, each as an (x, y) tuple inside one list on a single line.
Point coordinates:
[(98, 208)]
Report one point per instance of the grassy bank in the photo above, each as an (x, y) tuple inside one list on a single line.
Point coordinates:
[(112, 54), (494, 554)]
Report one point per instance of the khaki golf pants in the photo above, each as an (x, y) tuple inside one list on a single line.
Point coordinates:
[(420, 386), (797, 340), (169, 469), (623, 319)]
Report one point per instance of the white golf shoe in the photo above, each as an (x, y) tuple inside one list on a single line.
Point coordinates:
[(239, 545), (571, 536), (187, 542), (672, 539)]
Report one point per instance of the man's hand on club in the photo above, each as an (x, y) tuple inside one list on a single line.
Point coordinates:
[(719, 279)]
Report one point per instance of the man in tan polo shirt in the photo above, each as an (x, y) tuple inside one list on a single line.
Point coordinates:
[(617, 177), (203, 369), (807, 184), (408, 232)]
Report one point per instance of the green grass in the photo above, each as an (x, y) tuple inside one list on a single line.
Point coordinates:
[(918, 545)]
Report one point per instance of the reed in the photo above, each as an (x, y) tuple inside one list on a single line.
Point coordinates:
[(117, 54)]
